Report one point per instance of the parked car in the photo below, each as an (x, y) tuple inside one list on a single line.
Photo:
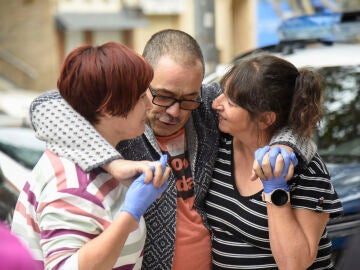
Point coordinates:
[(8, 198), (14, 104), (19, 149), (337, 59), (19, 152)]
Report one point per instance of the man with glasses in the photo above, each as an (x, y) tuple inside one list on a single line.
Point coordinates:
[(180, 123), (165, 101)]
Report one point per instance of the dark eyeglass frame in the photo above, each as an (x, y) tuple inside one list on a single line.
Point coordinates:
[(172, 100)]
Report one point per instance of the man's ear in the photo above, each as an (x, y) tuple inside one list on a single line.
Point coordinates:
[(266, 119)]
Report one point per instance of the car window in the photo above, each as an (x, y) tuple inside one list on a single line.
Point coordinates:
[(26, 156), (338, 137), (21, 145)]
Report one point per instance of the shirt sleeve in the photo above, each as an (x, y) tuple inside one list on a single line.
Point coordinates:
[(68, 134), (67, 222), (303, 147), (312, 189)]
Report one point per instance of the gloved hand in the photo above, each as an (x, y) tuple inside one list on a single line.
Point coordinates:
[(276, 182), (140, 195)]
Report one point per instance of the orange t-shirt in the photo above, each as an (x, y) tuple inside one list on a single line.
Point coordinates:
[(192, 241)]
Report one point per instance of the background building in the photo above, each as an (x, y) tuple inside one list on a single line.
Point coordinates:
[(36, 35)]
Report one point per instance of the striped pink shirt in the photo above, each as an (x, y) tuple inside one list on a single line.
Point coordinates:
[(61, 208)]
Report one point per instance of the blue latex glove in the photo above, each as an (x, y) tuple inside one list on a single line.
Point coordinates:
[(140, 195), (276, 182)]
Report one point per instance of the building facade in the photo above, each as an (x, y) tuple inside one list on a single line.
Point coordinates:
[(36, 35)]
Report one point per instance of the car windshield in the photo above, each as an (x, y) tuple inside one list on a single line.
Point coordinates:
[(21, 145), (338, 137)]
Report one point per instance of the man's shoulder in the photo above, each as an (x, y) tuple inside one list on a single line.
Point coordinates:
[(209, 93), (138, 148), (211, 89)]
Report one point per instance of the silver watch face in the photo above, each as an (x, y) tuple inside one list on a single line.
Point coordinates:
[(279, 197)]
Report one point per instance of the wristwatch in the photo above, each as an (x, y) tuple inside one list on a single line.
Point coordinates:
[(277, 197)]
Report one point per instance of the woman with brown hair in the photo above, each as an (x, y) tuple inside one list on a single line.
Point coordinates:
[(268, 223)]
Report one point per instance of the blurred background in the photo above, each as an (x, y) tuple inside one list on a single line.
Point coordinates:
[(36, 35)]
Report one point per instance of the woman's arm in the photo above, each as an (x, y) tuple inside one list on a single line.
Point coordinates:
[(69, 135), (303, 147), (295, 228), (294, 235), (103, 251), (78, 232)]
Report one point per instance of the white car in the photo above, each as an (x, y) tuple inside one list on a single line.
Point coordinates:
[(15, 104), (19, 152)]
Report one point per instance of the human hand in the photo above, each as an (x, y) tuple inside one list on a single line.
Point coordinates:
[(126, 170), (141, 195), (274, 162), (275, 182)]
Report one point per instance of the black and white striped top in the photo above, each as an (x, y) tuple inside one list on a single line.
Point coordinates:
[(239, 224)]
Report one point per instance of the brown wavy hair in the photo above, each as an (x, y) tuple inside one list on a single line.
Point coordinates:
[(265, 82)]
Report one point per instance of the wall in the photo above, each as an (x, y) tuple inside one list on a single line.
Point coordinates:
[(28, 40)]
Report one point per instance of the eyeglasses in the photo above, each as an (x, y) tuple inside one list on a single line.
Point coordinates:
[(185, 104)]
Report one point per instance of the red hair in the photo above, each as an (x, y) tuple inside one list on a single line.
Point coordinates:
[(110, 77)]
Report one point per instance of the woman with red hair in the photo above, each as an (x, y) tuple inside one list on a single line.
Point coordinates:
[(75, 219)]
